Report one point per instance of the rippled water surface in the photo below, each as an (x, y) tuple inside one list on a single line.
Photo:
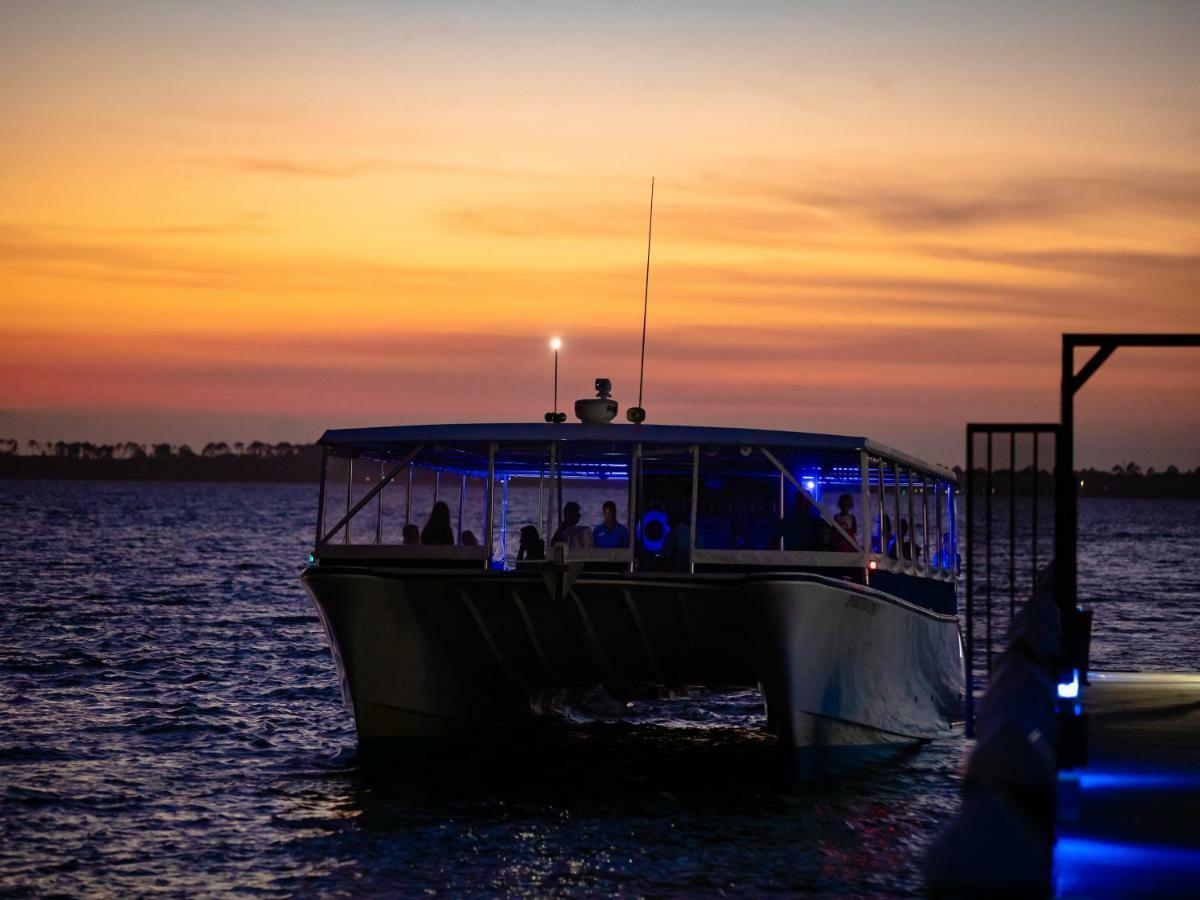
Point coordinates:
[(169, 720)]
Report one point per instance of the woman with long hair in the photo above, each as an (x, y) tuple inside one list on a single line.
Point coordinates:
[(437, 530)]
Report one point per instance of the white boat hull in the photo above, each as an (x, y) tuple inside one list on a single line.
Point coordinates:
[(844, 670)]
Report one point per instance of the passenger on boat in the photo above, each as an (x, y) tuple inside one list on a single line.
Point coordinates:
[(801, 528), (848, 523), (412, 534), (888, 543), (610, 534), (532, 546), (468, 539), (437, 530), (946, 558), (570, 532), (676, 548)]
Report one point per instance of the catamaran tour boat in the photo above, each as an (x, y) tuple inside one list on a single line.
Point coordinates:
[(845, 622)]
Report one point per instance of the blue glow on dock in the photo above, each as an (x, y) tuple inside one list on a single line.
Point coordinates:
[(1145, 781), (1140, 858)]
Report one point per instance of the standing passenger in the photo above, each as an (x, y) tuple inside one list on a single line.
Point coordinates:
[(437, 530), (570, 532), (801, 528), (676, 548), (848, 523), (610, 534)]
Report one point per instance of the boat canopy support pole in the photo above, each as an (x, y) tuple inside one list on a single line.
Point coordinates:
[(782, 503), (556, 473), (462, 502), (379, 511), (408, 496), (321, 493), (349, 498), (925, 525), (695, 506), (896, 511), (635, 466), (487, 513), (383, 482), (503, 519), (912, 520), (811, 499), (864, 510)]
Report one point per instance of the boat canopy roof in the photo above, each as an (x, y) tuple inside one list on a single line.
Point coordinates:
[(385, 440)]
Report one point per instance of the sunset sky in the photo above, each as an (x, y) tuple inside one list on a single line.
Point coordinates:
[(254, 221)]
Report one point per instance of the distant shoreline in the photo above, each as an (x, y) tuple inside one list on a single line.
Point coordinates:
[(162, 462), (240, 471), (301, 463)]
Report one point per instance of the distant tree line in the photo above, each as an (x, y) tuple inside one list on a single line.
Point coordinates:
[(260, 461), (216, 461), (1124, 480)]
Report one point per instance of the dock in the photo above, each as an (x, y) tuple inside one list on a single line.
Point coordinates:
[(1128, 819), (1080, 783)]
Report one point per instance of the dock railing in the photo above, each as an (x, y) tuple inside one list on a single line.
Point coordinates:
[(1010, 536)]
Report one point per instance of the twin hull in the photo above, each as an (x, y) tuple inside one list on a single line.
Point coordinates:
[(423, 653)]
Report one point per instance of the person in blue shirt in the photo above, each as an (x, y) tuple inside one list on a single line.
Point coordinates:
[(610, 533)]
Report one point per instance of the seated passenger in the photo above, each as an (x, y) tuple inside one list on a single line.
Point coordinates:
[(412, 534), (468, 539), (437, 530), (532, 546), (676, 548), (570, 532), (802, 527), (610, 534), (848, 523)]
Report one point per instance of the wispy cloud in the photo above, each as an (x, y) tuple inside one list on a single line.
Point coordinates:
[(249, 224), (1125, 265), (954, 203), (309, 167), (275, 165)]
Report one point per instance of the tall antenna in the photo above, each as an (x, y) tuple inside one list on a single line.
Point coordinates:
[(637, 415)]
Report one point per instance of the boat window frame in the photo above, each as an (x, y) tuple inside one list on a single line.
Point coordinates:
[(396, 460), (561, 552)]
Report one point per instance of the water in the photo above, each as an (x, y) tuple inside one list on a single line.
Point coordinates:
[(1137, 571), (169, 721)]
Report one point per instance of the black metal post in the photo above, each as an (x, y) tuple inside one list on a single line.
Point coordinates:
[(1012, 529), (987, 569), (1036, 478), (1066, 495), (1065, 498), (969, 711)]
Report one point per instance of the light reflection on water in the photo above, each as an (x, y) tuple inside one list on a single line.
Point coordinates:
[(169, 719)]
